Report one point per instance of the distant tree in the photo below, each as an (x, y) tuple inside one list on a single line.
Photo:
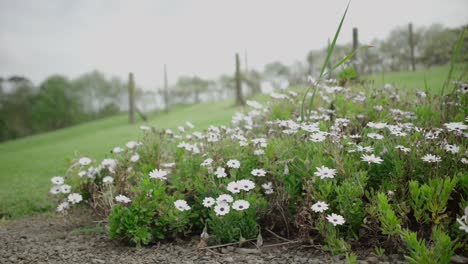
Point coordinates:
[(95, 91), (56, 105), (276, 73), (369, 60), (227, 85), (396, 49), (436, 45), (15, 111), (297, 74), (253, 80), (192, 87)]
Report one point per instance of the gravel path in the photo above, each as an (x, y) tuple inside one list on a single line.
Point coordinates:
[(48, 239)]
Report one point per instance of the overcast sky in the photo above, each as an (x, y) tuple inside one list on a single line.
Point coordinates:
[(40, 38)]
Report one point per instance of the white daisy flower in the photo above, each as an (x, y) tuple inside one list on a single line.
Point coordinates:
[(208, 201), (376, 125), (378, 108), (84, 161), (57, 180), (240, 205), (108, 179), (145, 128), (168, 165), (371, 159), (220, 172), (463, 88), (254, 104), (222, 209), (190, 125), (212, 137), (375, 136), (235, 164), (246, 185), (454, 149), (132, 144), (117, 150), (75, 198), (109, 163), (319, 207), (455, 126), (243, 143), (181, 205), (134, 158), (206, 162), (268, 187), (233, 187), (403, 148), (258, 172), (158, 174), (431, 158), (56, 189), (259, 152), (336, 219), (65, 188), (317, 137), (364, 149), (324, 172), (122, 199), (224, 198), (463, 221), (63, 207), (82, 173)]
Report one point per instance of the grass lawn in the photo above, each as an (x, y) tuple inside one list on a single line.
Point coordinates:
[(435, 77), (26, 165)]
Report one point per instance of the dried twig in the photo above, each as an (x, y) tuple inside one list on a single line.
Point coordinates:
[(214, 252), (284, 243), (277, 236), (225, 245)]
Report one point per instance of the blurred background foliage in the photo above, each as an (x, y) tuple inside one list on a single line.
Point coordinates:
[(58, 102)]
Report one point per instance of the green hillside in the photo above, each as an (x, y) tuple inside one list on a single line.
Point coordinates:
[(435, 78), (26, 165)]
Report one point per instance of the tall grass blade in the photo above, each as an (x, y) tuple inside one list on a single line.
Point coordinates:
[(327, 59), (346, 58), (426, 86), (332, 45), (453, 61)]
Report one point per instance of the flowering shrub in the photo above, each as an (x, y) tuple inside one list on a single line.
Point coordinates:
[(364, 167)]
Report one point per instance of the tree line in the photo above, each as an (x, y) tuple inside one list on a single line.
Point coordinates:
[(55, 103)]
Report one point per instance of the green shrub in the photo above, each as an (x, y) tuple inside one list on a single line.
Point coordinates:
[(439, 252)]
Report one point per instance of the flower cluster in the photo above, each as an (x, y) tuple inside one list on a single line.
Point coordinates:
[(351, 150)]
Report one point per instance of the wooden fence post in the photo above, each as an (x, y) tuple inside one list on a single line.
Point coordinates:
[(411, 44), (355, 47), (329, 61), (239, 98), (166, 90), (131, 99)]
